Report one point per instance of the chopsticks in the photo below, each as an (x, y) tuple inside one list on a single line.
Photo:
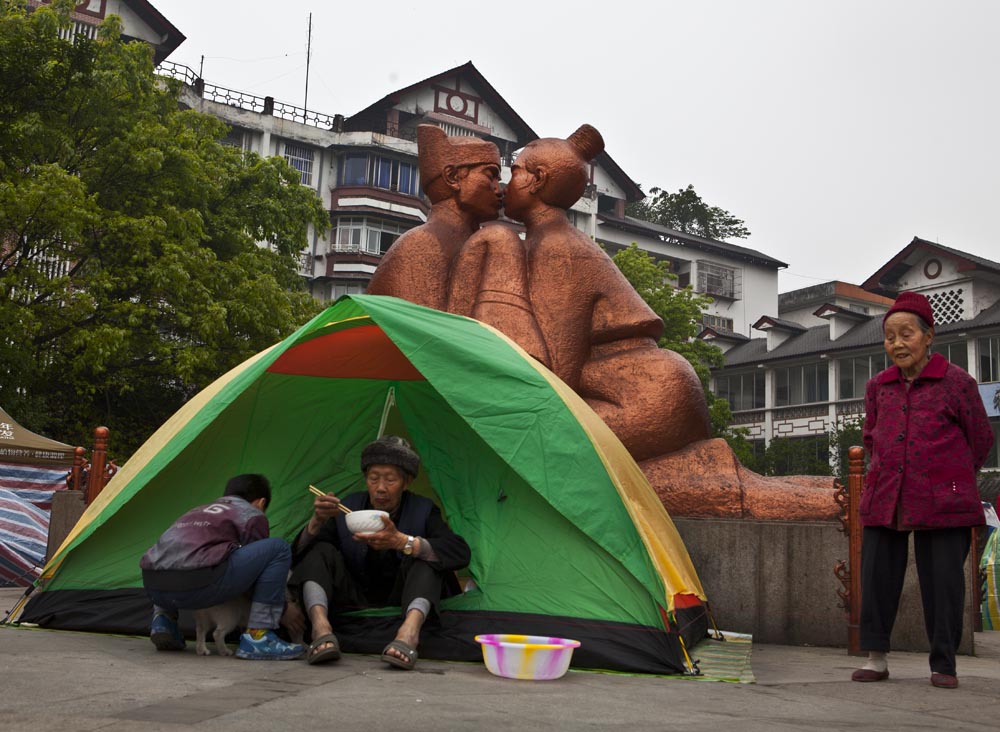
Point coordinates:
[(317, 492)]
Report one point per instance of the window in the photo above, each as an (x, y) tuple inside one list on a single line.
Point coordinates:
[(237, 137), (338, 290), (855, 372), (715, 279), (801, 384), (355, 170), (989, 359), (380, 172), (349, 231), (742, 391), (716, 321), (300, 157), (957, 353), (371, 236)]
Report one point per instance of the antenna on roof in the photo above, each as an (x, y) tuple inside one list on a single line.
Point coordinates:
[(305, 101)]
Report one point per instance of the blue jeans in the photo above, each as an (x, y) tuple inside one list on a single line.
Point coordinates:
[(261, 566)]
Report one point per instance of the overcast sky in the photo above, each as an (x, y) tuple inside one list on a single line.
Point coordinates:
[(836, 129)]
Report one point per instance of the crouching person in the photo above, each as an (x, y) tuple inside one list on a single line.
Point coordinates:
[(217, 552), (410, 562)]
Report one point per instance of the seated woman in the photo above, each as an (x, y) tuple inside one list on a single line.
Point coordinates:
[(409, 563)]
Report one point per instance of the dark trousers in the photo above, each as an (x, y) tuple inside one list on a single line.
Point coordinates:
[(325, 565), (260, 568), (940, 558)]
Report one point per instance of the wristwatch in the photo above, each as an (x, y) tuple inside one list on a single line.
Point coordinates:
[(408, 549)]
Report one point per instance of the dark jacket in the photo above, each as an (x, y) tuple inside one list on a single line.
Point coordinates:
[(925, 445), (193, 551), (417, 516)]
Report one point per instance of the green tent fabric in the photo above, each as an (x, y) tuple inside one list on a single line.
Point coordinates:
[(567, 537)]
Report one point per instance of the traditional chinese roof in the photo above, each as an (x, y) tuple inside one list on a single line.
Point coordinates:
[(816, 340), (885, 280), (829, 310), (709, 333), (767, 322)]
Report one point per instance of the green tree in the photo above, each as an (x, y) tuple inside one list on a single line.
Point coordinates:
[(686, 211), (798, 456), (679, 308), (847, 433), (130, 270)]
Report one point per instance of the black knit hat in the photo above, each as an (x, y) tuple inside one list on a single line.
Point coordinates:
[(390, 450)]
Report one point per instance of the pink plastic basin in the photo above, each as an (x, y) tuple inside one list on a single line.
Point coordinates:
[(527, 656)]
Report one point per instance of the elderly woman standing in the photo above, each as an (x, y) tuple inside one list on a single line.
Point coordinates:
[(927, 434)]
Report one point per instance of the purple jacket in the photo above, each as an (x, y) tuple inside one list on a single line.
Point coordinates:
[(925, 445), (200, 541)]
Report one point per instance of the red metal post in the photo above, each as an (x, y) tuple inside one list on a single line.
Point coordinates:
[(79, 461), (98, 458), (855, 483)]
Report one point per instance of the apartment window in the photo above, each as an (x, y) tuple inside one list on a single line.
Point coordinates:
[(380, 172), (855, 373), (339, 290), (742, 391), (355, 170), (801, 384), (715, 279), (237, 137), (957, 353), (716, 321), (349, 234), (371, 236), (300, 157), (989, 359), (380, 235)]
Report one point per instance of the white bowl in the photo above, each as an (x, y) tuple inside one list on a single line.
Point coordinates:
[(527, 656), (365, 522)]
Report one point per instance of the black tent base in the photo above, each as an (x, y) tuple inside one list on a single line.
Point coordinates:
[(451, 636)]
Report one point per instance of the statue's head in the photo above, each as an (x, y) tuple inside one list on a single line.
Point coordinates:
[(552, 171), (464, 168)]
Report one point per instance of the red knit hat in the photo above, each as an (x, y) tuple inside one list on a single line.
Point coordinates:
[(912, 302)]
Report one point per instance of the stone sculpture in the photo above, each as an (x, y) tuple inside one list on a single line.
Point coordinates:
[(561, 298)]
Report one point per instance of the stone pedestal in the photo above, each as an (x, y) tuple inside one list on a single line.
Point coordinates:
[(775, 579)]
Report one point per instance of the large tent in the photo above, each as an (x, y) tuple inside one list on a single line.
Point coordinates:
[(568, 539)]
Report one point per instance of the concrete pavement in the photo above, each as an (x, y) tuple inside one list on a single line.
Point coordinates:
[(73, 682)]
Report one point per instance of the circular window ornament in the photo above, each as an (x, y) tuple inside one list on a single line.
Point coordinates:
[(457, 104), (932, 269)]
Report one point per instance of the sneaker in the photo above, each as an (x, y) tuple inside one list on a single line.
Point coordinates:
[(165, 634), (269, 648)]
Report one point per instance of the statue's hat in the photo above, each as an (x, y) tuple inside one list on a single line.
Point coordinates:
[(436, 150)]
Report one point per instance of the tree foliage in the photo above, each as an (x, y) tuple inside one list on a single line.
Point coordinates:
[(679, 308), (797, 456), (130, 270), (685, 211), (847, 433)]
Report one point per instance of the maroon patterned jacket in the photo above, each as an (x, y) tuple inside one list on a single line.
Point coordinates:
[(925, 445)]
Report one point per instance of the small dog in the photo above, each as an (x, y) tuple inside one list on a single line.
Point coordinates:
[(223, 618)]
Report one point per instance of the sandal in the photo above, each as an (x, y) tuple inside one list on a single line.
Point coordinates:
[(405, 663), (324, 655)]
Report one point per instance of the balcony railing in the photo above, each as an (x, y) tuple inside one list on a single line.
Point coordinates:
[(242, 100)]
